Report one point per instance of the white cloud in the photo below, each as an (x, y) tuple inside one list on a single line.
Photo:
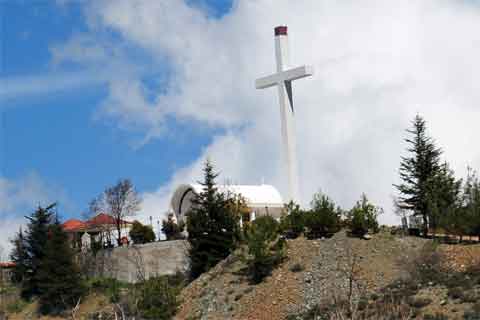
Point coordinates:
[(19, 198), (15, 87), (377, 64)]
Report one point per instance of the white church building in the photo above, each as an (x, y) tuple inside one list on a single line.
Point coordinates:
[(261, 199)]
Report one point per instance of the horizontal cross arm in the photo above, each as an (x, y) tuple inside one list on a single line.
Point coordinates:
[(266, 82), (297, 73), (287, 75)]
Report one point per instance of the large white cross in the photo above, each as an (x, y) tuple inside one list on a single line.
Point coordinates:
[(283, 80)]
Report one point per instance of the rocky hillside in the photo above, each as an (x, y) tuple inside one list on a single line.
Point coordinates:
[(320, 270), (314, 270)]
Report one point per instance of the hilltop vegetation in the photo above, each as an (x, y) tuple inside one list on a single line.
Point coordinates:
[(320, 262), (387, 277)]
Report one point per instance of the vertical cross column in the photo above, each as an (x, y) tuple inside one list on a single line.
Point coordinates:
[(287, 112)]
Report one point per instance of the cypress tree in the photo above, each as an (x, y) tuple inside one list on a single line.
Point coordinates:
[(59, 281), (213, 229), (417, 171), (35, 243), (20, 257), (471, 202)]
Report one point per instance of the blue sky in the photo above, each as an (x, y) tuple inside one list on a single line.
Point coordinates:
[(54, 133), (93, 91)]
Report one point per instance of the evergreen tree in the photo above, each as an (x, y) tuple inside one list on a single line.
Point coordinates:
[(141, 233), (213, 229), (363, 217), (292, 223), (417, 171), (443, 200), (35, 243), (265, 248), (171, 229), (20, 257), (59, 282), (324, 218), (471, 203)]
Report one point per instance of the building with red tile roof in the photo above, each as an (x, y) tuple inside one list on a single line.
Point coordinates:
[(73, 225), (100, 228), (6, 271)]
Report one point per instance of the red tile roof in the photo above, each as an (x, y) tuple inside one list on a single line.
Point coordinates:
[(74, 225), (103, 218), (7, 264)]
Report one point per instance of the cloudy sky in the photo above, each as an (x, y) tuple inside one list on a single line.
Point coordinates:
[(93, 91)]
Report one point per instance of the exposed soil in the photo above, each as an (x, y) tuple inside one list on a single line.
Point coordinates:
[(225, 293)]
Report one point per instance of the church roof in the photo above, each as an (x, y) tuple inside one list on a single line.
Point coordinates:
[(256, 196)]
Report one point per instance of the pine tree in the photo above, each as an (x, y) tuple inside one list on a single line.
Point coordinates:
[(213, 229), (20, 257), (59, 281), (265, 248), (171, 229), (324, 218), (363, 217), (35, 243), (417, 171), (293, 221), (443, 195), (471, 202)]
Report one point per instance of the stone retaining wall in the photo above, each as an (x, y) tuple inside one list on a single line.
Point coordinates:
[(137, 262)]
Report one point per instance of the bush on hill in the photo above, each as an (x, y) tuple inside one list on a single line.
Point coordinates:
[(265, 247), (171, 229), (323, 220), (363, 217), (158, 298), (141, 234), (292, 223)]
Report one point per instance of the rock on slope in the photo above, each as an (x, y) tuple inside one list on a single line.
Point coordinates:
[(314, 270)]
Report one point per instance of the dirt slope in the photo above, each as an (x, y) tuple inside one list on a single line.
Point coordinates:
[(225, 293)]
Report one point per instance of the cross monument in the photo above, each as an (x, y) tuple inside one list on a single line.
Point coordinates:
[(283, 80)]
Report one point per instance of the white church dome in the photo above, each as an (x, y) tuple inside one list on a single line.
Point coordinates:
[(259, 197)]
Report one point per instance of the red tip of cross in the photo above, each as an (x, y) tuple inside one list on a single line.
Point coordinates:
[(281, 31)]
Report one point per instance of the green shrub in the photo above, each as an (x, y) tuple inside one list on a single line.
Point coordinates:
[(297, 267), (158, 298), (16, 306), (455, 293), (265, 247), (141, 233), (418, 302), (292, 224), (436, 316), (238, 297), (363, 217), (426, 266), (108, 286), (470, 297), (171, 229), (323, 219), (362, 304)]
